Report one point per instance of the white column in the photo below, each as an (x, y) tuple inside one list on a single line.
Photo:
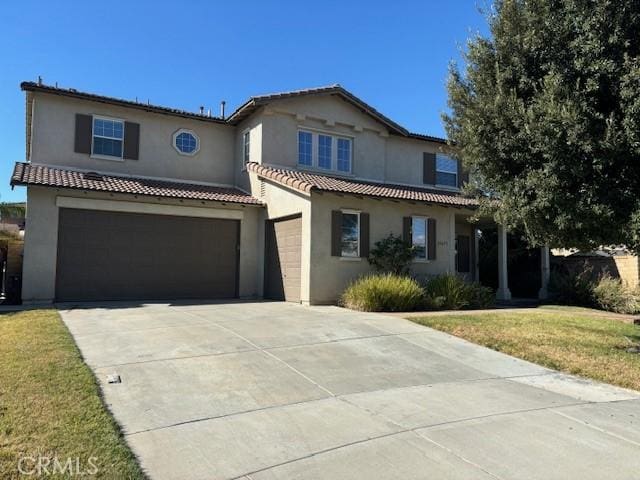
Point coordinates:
[(476, 254), (545, 270), (503, 292)]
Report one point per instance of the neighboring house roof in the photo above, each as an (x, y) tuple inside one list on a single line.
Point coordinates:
[(307, 182), (30, 174), (241, 112)]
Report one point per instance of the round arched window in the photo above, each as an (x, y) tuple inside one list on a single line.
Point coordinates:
[(186, 142)]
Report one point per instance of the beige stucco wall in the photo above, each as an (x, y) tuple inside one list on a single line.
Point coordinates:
[(377, 154), (330, 275), (283, 202), (41, 235), (53, 130)]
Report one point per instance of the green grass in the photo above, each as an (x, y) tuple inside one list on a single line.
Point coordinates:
[(50, 402), (575, 343)]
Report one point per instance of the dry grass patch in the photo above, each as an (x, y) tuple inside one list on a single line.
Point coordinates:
[(50, 403), (578, 344)]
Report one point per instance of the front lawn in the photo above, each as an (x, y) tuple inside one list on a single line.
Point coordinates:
[(570, 341), (50, 406)]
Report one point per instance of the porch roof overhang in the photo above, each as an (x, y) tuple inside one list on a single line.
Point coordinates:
[(46, 176), (307, 182)]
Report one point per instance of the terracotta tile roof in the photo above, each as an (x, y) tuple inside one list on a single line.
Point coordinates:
[(307, 182), (147, 107), (30, 174), (242, 112)]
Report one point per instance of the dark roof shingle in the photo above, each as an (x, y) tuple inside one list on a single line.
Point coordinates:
[(307, 182), (30, 174)]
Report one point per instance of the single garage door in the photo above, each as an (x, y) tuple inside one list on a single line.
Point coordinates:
[(283, 249), (117, 256)]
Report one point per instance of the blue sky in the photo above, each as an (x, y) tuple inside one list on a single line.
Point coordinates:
[(185, 54)]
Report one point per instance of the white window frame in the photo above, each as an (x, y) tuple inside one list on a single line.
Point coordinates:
[(246, 147), (174, 140), (426, 238), (457, 174), (107, 157), (315, 150), (357, 255)]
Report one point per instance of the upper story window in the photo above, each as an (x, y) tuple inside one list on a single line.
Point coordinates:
[(419, 237), (108, 137), (246, 147), (186, 142), (324, 151), (344, 155), (327, 152), (446, 171), (305, 148)]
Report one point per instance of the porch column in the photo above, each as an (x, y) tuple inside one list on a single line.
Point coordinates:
[(503, 292), (476, 255), (545, 271)]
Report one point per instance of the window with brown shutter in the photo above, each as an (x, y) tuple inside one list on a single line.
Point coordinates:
[(431, 238), (84, 127), (131, 140), (429, 168), (364, 235)]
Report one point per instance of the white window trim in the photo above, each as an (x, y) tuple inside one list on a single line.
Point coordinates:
[(315, 150), (448, 187), (357, 255), (246, 153), (426, 239), (174, 139), (113, 158)]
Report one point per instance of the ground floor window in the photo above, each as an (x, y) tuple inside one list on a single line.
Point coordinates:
[(350, 236), (419, 236)]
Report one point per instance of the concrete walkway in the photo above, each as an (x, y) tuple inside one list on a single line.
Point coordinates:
[(280, 391)]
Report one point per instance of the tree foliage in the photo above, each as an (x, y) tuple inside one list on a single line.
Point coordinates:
[(547, 116)]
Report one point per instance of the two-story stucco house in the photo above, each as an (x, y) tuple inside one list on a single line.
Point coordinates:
[(283, 199)]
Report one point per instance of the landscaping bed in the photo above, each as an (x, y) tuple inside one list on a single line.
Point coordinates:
[(594, 347), (51, 413)]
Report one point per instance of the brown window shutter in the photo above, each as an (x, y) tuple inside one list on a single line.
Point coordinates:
[(406, 230), (364, 235), (429, 168), (131, 140), (336, 233), (463, 175), (431, 239), (84, 131)]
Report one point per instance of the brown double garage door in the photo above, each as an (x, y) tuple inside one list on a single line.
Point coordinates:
[(132, 256)]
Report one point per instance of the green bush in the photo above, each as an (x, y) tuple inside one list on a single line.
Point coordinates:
[(612, 295), (450, 292), (391, 255), (383, 293), (573, 288)]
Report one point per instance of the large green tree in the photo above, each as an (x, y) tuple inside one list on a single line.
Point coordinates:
[(547, 115)]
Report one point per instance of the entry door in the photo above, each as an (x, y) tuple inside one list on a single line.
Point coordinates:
[(463, 254), (283, 247)]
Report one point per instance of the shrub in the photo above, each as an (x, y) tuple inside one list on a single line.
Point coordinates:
[(383, 293), (446, 292), (612, 295), (481, 296), (450, 292), (391, 255), (573, 288)]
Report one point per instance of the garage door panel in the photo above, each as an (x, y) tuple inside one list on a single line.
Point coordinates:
[(283, 259), (115, 255)]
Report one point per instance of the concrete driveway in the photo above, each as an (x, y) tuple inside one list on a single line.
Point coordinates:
[(281, 391)]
